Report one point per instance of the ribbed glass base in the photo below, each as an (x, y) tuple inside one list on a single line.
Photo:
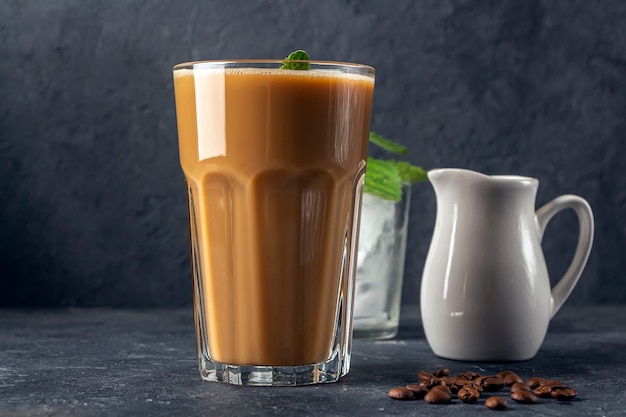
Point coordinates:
[(329, 371)]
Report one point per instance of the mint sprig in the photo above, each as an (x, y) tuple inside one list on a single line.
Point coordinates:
[(384, 178), (295, 61), (387, 145)]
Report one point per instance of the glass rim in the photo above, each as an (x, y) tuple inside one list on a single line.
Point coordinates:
[(269, 63)]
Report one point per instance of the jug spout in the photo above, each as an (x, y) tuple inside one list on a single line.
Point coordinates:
[(446, 178), (446, 175)]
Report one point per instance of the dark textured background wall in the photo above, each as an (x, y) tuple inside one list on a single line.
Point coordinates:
[(93, 208)]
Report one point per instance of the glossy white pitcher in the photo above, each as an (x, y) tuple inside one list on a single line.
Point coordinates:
[(485, 292)]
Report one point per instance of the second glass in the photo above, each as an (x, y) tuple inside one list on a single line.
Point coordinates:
[(274, 162), (380, 268)]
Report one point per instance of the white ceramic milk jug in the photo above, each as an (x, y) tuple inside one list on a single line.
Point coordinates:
[(485, 292)]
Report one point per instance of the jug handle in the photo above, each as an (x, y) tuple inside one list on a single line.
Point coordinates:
[(565, 285)]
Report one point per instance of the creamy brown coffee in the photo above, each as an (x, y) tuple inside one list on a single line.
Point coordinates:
[(274, 161)]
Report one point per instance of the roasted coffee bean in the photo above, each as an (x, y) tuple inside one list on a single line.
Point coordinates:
[(458, 381), (442, 388), (504, 373), (437, 396), (492, 384), (512, 379), (478, 388), (401, 393), (524, 397), (553, 383), (423, 386), (441, 372), (520, 386), (468, 394), (534, 382), (496, 403), (424, 376), (564, 394), (470, 375), (479, 380), (509, 377), (427, 378), (432, 383), (419, 391), (451, 386), (543, 391)]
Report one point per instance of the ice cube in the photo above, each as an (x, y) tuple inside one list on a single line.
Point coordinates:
[(377, 215)]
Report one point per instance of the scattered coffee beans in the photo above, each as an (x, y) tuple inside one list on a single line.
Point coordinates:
[(496, 403), (439, 387)]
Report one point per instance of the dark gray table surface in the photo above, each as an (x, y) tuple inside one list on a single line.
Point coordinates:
[(142, 363)]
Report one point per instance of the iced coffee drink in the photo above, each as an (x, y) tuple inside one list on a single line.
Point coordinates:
[(274, 162)]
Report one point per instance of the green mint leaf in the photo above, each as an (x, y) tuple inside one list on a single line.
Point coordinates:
[(411, 173), (387, 145), (382, 179), (298, 55)]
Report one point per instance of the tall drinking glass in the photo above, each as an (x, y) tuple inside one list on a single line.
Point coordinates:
[(274, 161)]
